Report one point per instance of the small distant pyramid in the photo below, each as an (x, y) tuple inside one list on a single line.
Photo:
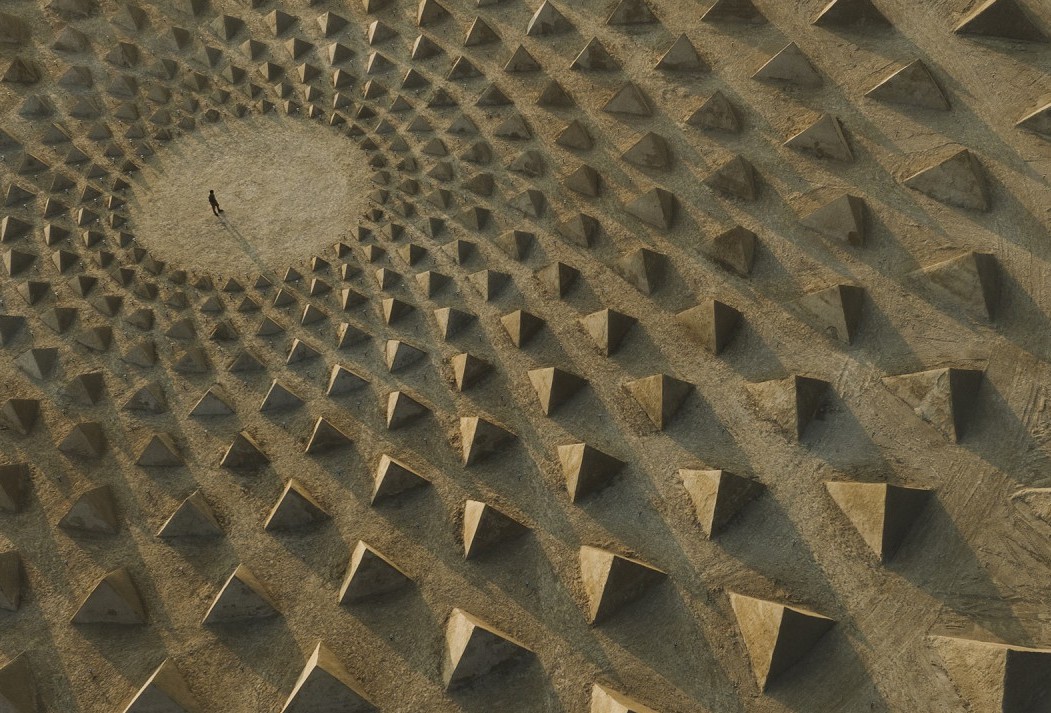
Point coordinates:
[(912, 85), (343, 381), (401, 355), (587, 470), (87, 389), (481, 439), (521, 61), (718, 496), (279, 398), (842, 219), (296, 508), (682, 56), (95, 511), (643, 268), (558, 278), (214, 402), (452, 321), (835, 311), (660, 396), (943, 398), (580, 229), (165, 691), (474, 649), (521, 326), (595, 58), (244, 454), (574, 136), (608, 328), (612, 581), (39, 363), (85, 440), (160, 451), (777, 636), (793, 403), (736, 178), (734, 11), (716, 114), (790, 66), (851, 13), (881, 513), (712, 323), (394, 478), (326, 685), (630, 101), (326, 437), (823, 139), (955, 181), (148, 399), (650, 151), (18, 691), (242, 598), (656, 207), (971, 280), (1001, 18), (468, 370), (547, 20), (193, 518), (370, 575), (606, 700), (996, 677), (485, 527), (113, 600), (554, 387), (1038, 122), (735, 250)]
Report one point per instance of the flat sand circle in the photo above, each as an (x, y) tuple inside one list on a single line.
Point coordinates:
[(289, 188)]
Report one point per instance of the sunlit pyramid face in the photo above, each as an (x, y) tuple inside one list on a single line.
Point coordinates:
[(452, 356)]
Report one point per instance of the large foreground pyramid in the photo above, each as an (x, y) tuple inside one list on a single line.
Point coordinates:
[(619, 355)]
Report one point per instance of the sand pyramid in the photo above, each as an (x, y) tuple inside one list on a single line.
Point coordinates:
[(777, 636), (944, 398), (881, 513), (474, 649), (612, 581), (325, 684)]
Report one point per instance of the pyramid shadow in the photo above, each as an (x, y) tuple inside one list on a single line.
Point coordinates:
[(520, 686), (838, 437), (832, 677), (966, 590), (407, 621), (878, 341), (253, 644), (1021, 320), (762, 537), (684, 655), (540, 592), (994, 432), (316, 546)]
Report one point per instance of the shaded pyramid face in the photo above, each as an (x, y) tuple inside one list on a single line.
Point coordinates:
[(626, 355)]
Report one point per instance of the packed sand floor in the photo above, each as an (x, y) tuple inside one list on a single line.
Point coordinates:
[(288, 187)]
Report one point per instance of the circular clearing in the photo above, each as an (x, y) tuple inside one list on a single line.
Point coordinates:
[(288, 189)]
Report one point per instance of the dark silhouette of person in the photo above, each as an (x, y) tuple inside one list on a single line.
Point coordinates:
[(214, 203)]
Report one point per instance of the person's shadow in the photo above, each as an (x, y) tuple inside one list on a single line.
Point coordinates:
[(245, 244)]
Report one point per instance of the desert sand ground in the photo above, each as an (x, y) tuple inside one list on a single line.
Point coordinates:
[(368, 193)]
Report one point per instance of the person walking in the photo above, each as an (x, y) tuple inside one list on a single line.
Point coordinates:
[(214, 202)]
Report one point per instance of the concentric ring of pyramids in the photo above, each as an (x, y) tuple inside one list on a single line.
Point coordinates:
[(689, 357)]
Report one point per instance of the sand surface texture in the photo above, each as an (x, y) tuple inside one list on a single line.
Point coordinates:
[(552, 357), (288, 190)]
